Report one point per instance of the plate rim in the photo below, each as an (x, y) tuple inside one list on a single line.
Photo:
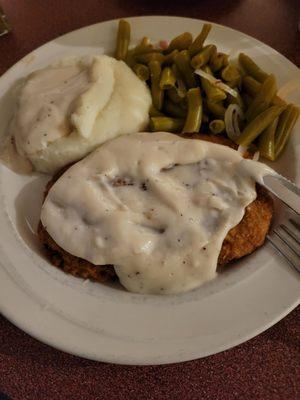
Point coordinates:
[(140, 17), (31, 332), (130, 361)]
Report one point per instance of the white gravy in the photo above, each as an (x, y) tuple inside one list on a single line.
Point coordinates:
[(45, 104), (154, 205), (64, 112)]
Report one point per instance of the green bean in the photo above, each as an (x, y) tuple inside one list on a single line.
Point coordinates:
[(247, 99), (153, 112), (174, 110), (143, 48), (170, 58), (266, 143), (263, 98), (283, 121), (287, 121), (181, 42), (157, 93), (167, 79), (216, 62), (217, 109), (225, 60), (213, 93), (184, 103), (137, 51), (197, 44), (174, 96), (182, 62), (123, 40), (217, 126), (166, 124), (141, 71), (194, 116), (145, 58), (176, 72), (251, 68), (180, 87), (258, 125), (203, 56), (230, 73), (146, 41), (235, 83), (179, 101), (252, 86), (130, 61)]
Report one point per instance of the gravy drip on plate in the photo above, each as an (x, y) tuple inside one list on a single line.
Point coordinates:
[(12, 159), (154, 205)]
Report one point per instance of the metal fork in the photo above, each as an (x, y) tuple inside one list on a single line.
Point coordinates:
[(285, 238)]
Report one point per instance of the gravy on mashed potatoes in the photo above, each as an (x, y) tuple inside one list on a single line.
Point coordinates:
[(66, 111)]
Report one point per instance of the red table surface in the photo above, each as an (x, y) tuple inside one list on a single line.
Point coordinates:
[(266, 367)]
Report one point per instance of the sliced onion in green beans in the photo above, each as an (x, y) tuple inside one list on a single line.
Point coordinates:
[(217, 82), (231, 119)]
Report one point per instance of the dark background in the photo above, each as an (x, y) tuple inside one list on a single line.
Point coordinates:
[(266, 367)]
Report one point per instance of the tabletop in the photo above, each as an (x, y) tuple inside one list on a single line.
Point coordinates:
[(266, 367)]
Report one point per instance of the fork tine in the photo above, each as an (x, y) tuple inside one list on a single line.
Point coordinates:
[(288, 244), (283, 254), (295, 224), (289, 232), (285, 239)]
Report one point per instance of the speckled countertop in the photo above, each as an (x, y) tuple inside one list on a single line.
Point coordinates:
[(266, 367)]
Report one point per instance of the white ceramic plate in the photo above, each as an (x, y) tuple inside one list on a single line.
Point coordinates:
[(107, 323)]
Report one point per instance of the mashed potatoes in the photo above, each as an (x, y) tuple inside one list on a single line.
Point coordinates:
[(65, 112)]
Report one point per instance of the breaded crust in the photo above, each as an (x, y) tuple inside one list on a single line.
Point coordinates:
[(241, 240), (71, 264)]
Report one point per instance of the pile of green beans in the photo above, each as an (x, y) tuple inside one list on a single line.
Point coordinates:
[(182, 101)]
